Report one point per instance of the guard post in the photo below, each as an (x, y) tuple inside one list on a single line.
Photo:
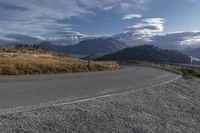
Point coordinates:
[(89, 62)]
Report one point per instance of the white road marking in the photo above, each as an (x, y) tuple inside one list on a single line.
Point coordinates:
[(82, 100), (105, 96)]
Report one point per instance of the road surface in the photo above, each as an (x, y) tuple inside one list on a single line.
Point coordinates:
[(24, 91)]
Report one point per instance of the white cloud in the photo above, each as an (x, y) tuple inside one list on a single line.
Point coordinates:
[(20, 38), (62, 38), (192, 40), (68, 38), (143, 32), (179, 40), (149, 27), (154, 20), (131, 16)]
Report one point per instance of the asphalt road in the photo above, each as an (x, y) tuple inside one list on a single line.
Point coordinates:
[(23, 91)]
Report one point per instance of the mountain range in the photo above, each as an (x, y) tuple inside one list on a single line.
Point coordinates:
[(63, 38), (148, 53), (81, 44), (178, 41), (87, 47)]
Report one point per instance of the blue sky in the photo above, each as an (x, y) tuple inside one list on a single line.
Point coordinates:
[(180, 15), (98, 17)]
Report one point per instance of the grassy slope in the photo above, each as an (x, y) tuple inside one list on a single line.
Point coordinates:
[(30, 60)]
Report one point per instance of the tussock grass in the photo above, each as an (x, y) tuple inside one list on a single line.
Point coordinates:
[(22, 61)]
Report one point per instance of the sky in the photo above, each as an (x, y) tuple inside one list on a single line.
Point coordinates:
[(51, 18)]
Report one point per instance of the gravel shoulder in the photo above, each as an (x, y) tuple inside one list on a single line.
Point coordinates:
[(174, 107)]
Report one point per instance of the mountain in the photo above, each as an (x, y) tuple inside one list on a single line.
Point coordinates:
[(178, 41), (52, 47), (98, 45), (87, 47), (195, 52), (148, 53), (130, 36), (62, 38), (69, 38)]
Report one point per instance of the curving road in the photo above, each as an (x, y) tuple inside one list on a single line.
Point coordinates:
[(23, 91)]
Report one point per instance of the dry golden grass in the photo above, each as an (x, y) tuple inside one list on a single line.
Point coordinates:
[(21, 62)]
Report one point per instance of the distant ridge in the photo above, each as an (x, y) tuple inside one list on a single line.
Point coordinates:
[(98, 45), (52, 47)]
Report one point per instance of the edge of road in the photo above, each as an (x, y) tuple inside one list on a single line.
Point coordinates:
[(158, 67)]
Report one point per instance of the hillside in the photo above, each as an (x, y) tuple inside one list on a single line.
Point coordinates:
[(25, 59), (99, 45), (193, 52), (87, 47), (148, 53), (94, 56), (49, 46)]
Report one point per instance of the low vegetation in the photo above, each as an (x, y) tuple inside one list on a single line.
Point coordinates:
[(191, 71), (24, 59), (148, 53), (186, 70)]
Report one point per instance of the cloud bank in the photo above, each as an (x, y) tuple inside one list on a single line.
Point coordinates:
[(43, 16), (142, 32)]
